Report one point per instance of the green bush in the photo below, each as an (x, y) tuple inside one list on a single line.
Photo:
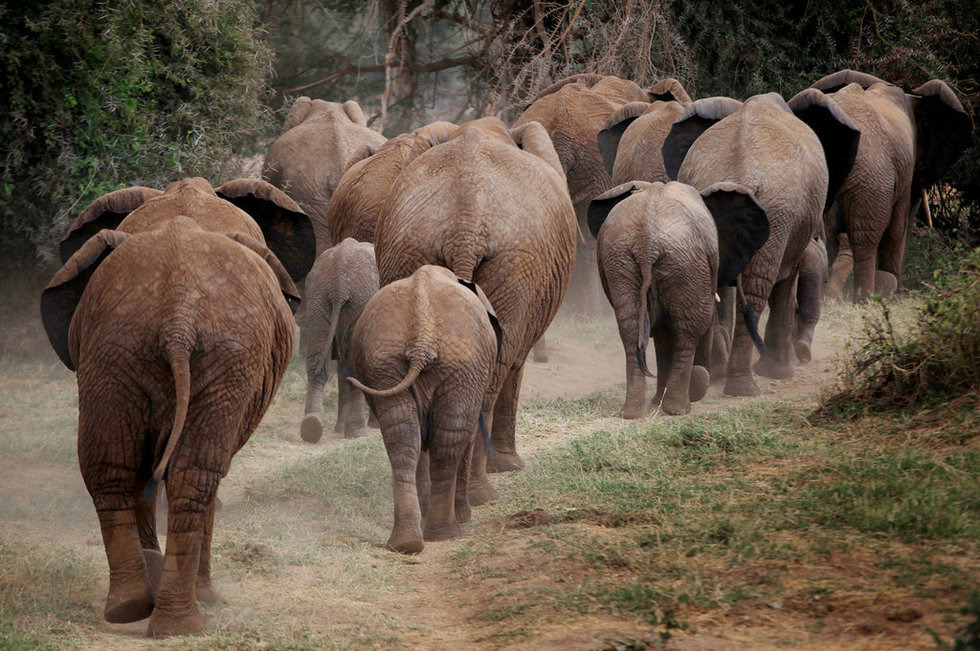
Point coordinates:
[(99, 95), (939, 360)]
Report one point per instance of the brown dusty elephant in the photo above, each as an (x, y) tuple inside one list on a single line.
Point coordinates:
[(247, 206), (631, 139), (343, 279), (663, 251), (490, 205), (907, 144), (573, 111), (423, 351), (363, 188), (180, 337), (792, 157), (318, 142)]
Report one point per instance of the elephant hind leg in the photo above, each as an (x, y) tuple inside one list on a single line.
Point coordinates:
[(775, 363), (505, 457), (401, 431)]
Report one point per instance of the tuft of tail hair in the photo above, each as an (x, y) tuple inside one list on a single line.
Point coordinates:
[(486, 435)]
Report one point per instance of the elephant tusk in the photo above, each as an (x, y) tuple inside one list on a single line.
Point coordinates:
[(717, 298)]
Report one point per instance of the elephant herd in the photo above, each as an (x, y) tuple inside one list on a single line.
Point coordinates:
[(434, 262)]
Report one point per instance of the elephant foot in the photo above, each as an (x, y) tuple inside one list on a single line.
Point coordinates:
[(129, 605), (698, 384), (767, 367), (540, 357), (632, 411), (205, 591), (675, 406), (504, 462), (164, 625), (445, 532), (355, 432), (405, 542), (741, 385), (803, 352), (311, 428), (373, 421), (885, 283), (481, 492)]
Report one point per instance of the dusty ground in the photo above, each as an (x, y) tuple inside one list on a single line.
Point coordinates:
[(288, 571)]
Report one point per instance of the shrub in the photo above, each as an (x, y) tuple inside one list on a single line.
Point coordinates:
[(938, 361)]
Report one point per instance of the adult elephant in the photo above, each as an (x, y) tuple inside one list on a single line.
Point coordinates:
[(180, 337), (573, 111), (632, 138), (491, 205), (907, 144), (792, 157), (363, 188), (246, 206), (318, 142)]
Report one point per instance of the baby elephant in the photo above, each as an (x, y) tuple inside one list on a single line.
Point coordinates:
[(430, 341), (343, 279), (663, 250)]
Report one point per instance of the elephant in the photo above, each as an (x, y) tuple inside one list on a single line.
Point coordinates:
[(573, 111), (247, 206), (319, 141), (491, 205), (180, 337), (433, 339), (907, 144), (663, 250), (793, 157), (343, 279), (631, 139), (364, 186)]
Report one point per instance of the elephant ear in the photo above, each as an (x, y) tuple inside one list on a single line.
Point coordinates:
[(534, 139), (494, 321), (612, 131), (354, 112), (286, 285), (60, 298), (585, 79), (430, 136), (837, 133), (299, 111), (669, 90), (362, 152), (743, 227), (107, 211), (601, 206), (695, 120), (834, 82), (286, 228), (942, 131)]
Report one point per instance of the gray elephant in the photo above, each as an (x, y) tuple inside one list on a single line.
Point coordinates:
[(180, 337), (631, 139), (423, 351), (663, 251), (318, 142), (793, 157), (343, 279), (491, 205), (908, 141)]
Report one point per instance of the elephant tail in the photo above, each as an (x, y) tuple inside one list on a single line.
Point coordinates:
[(180, 366), (750, 317), (414, 369), (322, 359), (643, 319)]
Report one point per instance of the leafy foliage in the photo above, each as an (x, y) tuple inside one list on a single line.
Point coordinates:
[(937, 362), (100, 95)]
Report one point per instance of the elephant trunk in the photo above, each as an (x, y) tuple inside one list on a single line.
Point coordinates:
[(180, 366), (414, 369)]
